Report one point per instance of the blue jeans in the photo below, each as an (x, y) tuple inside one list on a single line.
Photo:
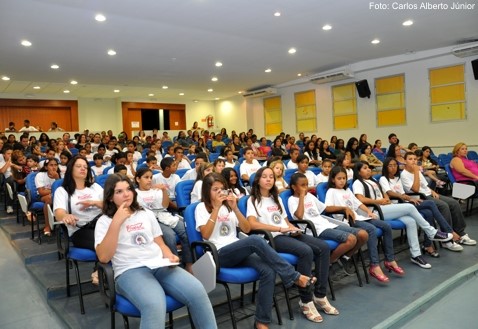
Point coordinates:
[(430, 212), (146, 289), (256, 253), (169, 237), (372, 242), (451, 211), (308, 249)]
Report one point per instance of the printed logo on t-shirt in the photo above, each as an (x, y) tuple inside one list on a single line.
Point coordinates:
[(85, 197), (134, 227), (348, 203), (224, 230), (312, 212), (139, 239), (276, 218)]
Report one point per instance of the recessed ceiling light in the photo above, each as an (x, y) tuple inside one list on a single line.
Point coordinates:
[(26, 43), (407, 23), (327, 27), (100, 18), (217, 98), (73, 82), (36, 87), (165, 87), (210, 90), (375, 41), (299, 74), (5, 78), (111, 52), (116, 91), (292, 51), (218, 64), (268, 70), (66, 91), (55, 67), (150, 95), (181, 94), (240, 92), (195, 101), (214, 79), (277, 14)]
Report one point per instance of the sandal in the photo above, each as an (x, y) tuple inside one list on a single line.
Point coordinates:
[(94, 278), (309, 286), (326, 306), (310, 312), (433, 253), (46, 232)]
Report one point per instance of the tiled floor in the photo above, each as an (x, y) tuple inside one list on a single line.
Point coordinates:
[(33, 295)]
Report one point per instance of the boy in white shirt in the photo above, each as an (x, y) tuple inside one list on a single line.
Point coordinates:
[(181, 160), (323, 176), (292, 164), (249, 165), (303, 168), (169, 179), (99, 166), (192, 174)]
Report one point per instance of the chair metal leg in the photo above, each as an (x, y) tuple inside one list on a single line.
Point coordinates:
[(112, 317), (229, 303), (360, 253), (67, 271), (359, 278), (242, 295), (287, 300), (78, 283), (125, 322), (331, 288), (276, 305), (253, 292)]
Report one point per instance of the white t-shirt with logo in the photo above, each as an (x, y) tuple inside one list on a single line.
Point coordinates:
[(321, 178), (344, 198), (373, 188), (98, 170), (42, 180), (312, 210), (249, 168), (407, 179), (153, 200), (224, 232), (394, 185), (268, 212), (292, 165), (136, 246), (60, 201), (170, 183), (196, 192)]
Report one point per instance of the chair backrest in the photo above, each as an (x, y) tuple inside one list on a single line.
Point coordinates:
[(51, 217), (377, 177), (213, 156), (105, 171), (181, 172), (242, 204), (10, 190), (190, 220), (141, 161), (30, 184), (251, 178), (472, 155), (315, 170), (183, 191), (285, 195), (56, 184), (142, 165), (321, 191), (288, 174), (74, 151), (449, 173), (22, 200), (101, 179)]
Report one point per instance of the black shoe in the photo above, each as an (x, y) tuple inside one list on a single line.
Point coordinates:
[(442, 237), (420, 262)]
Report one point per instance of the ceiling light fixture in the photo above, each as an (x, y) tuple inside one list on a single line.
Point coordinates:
[(55, 67), (73, 82), (111, 52), (218, 64), (407, 23), (26, 43), (116, 91), (100, 18), (217, 98), (327, 27), (181, 94), (292, 51), (375, 41), (299, 74), (66, 91), (36, 87), (268, 70), (240, 92), (210, 90), (150, 95), (277, 14), (165, 87), (5, 78), (214, 79)]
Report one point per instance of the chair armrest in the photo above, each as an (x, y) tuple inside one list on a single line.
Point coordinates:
[(206, 246), (63, 240), (397, 199), (377, 208), (309, 225), (421, 195), (107, 284), (349, 219), (267, 235), (468, 182)]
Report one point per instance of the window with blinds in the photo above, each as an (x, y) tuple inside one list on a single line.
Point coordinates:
[(390, 100), (344, 106), (272, 116), (305, 111)]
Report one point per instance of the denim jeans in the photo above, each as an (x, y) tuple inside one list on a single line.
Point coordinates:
[(146, 289), (256, 253), (308, 249), (451, 210), (169, 237), (372, 242), (430, 212), (409, 215)]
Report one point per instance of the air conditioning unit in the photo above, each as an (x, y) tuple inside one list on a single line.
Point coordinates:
[(332, 76), (260, 92), (465, 51)]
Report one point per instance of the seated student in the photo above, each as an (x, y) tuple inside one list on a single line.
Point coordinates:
[(50, 154), (323, 176), (152, 163), (156, 199), (377, 147), (232, 180), (217, 218), (99, 167), (277, 167), (293, 164), (65, 157), (325, 152), (102, 152), (130, 250), (414, 181), (32, 163), (373, 162), (43, 181), (303, 168), (182, 161), (249, 165), (429, 166), (192, 174), (111, 149), (312, 154), (204, 169), (120, 169), (169, 151), (169, 178), (117, 159), (229, 160), (131, 147), (19, 159), (303, 205), (345, 161), (264, 149), (219, 165), (89, 154), (130, 164)]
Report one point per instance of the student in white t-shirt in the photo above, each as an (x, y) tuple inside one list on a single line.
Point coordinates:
[(182, 161), (43, 181), (217, 218), (99, 167), (265, 211), (168, 178), (303, 168), (323, 176), (204, 170), (232, 179), (345, 161), (192, 174), (249, 165), (303, 205), (292, 164), (156, 199), (278, 169)]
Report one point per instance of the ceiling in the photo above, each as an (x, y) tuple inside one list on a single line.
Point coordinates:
[(177, 43)]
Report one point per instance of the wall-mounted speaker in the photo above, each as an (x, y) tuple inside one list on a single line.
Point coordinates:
[(474, 65), (363, 89)]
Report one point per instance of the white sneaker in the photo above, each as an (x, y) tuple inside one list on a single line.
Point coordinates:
[(452, 246), (10, 210), (465, 239)]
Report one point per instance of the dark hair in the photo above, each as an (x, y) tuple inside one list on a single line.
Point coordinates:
[(66, 154), (385, 170), (334, 172), (301, 158), (376, 142), (116, 156), (97, 156), (202, 155), (34, 157), (391, 135), (256, 190), (166, 163), (391, 150), (226, 172), (140, 172), (295, 178), (109, 207), (364, 147), (247, 148), (408, 154), (177, 148), (69, 183), (202, 168), (119, 167), (357, 167), (326, 161), (218, 160), (338, 142), (312, 153), (354, 153), (151, 158), (206, 190)]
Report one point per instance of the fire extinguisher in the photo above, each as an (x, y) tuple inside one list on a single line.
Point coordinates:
[(210, 121)]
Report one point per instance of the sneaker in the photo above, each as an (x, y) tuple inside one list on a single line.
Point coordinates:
[(452, 246), (442, 237), (9, 210), (346, 264), (465, 239), (420, 262)]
